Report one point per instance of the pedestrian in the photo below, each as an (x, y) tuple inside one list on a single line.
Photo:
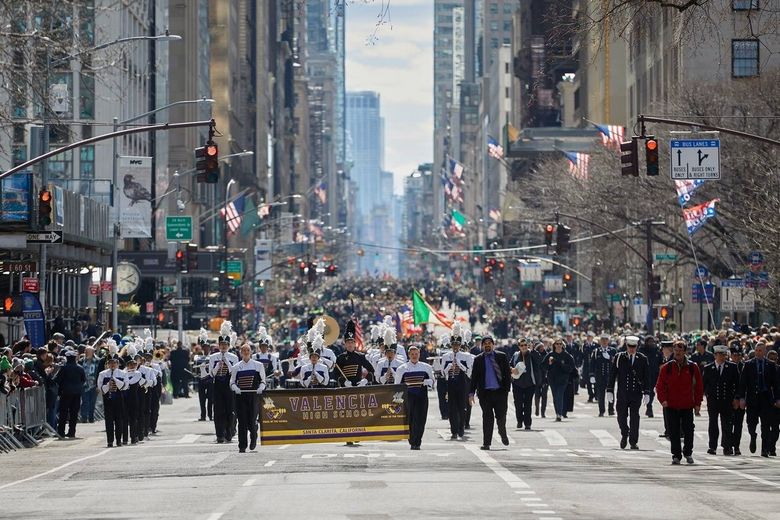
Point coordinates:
[(667, 354), (759, 392), (70, 381), (542, 388), (179, 363), (490, 381), (418, 378), (680, 391), (89, 396), (525, 376), (112, 381), (632, 374), (739, 414), (456, 366), (220, 364), (247, 380), (720, 379), (774, 432), (559, 365), (600, 366)]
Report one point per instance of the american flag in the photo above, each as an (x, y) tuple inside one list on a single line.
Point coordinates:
[(456, 168), (234, 209), (264, 210), (495, 214), (321, 191), (315, 229), (578, 164), (358, 334), (611, 135), (495, 150)]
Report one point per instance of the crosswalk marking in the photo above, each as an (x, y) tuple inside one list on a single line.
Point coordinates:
[(554, 438), (605, 438), (190, 438), (654, 435)]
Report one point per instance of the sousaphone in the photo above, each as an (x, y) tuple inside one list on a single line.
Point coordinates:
[(332, 331)]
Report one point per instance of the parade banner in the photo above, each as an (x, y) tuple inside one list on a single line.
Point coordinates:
[(302, 416), (135, 199)]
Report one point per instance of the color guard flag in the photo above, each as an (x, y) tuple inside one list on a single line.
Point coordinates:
[(697, 216), (685, 190)]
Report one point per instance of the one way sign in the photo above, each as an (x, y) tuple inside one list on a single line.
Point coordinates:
[(693, 159), (51, 237)]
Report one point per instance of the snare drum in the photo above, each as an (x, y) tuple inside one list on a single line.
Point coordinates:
[(292, 383)]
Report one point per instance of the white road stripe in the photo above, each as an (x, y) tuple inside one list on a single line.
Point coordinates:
[(526, 492), (543, 512), (249, 482), (219, 457), (504, 474), (605, 438), (550, 518), (554, 438), (284, 446), (215, 516), (531, 499), (740, 474), (269, 463), (190, 438), (654, 434), (49, 472)]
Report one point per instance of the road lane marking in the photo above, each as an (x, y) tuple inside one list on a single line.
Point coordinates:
[(739, 474), (49, 472), (190, 438), (284, 446), (543, 512), (215, 516), (269, 463), (504, 474), (526, 499), (554, 438), (220, 457), (526, 492), (605, 438), (249, 482)]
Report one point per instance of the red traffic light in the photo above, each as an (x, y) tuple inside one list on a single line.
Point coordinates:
[(179, 255), (664, 312), (549, 228), (211, 150), (8, 303), (501, 265), (567, 277), (651, 144), (486, 269), (45, 196)]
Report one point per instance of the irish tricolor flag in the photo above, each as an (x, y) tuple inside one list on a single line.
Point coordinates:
[(423, 312)]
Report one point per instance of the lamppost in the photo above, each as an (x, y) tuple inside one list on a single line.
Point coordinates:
[(625, 301), (680, 306), (116, 231)]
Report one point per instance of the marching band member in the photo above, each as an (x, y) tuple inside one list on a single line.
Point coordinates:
[(386, 368), (400, 353), (350, 362), (247, 380), (220, 364), (418, 378), (201, 368), (111, 382), (265, 356), (456, 367), (315, 374), (133, 397)]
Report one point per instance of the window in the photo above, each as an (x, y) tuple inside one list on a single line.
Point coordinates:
[(87, 97), (494, 43), (508, 8), (744, 5), (494, 26), (744, 58), (493, 8), (507, 25), (87, 162)]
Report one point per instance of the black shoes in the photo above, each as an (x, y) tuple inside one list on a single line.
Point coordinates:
[(753, 442), (220, 440), (202, 419), (505, 440), (485, 448), (737, 451), (728, 451), (712, 451), (528, 428), (634, 447), (416, 448), (623, 442), (253, 444), (242, 450)]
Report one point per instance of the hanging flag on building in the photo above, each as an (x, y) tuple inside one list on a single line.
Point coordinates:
[(578, 164), (232, 213), (495, 150), (697, 216), (251, 217), (456, 169), (458, 220), (321, 191), (685, 190), (495, 214), (611, 135)]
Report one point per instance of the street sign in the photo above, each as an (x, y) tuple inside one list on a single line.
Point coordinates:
[(106, 286), (168, 289), (701, 272), (29, 266), (553, 283), (735, 296), (698, 294), (94, 289), (30, 285), (692, 159), (51, 237), (181, 301), (755, 259), (178, 228), (757, 279), (615, 298), (149, 307), (531, 272), (665, 257)]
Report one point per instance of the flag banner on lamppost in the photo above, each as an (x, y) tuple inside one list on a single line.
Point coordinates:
[(302, 416), (135, 197)]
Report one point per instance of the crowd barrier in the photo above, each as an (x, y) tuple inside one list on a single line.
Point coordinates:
[(23, 418)]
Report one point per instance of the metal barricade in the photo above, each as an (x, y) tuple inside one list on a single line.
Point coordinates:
[(4, 419), (11, 417), (34, 407)]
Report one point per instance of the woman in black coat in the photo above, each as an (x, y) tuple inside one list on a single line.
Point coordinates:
[(559, 365)]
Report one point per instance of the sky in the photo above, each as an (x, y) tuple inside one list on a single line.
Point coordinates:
[(396, 60)]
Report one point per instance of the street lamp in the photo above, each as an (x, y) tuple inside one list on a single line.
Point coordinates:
[(680, 307), (115, 198), (625, 301)]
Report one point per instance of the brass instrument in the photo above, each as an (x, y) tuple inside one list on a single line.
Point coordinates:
[(332, 330)]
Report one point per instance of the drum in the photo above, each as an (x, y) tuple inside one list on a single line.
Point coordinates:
[(271, 383), (291, 384)]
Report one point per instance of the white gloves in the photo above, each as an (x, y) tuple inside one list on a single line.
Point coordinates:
[(363, 382), (260, 389), (347, 383), (593, 379), (610, 397), (645, 400), (236, 389), (605, 354)]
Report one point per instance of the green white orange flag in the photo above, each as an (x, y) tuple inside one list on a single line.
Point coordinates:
[(423, 312)]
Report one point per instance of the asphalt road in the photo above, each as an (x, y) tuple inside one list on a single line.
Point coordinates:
[(567, 470)]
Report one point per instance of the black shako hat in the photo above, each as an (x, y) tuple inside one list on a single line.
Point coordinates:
[(350, 333)]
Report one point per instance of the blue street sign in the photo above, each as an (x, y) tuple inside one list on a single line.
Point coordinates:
[(701, 272)]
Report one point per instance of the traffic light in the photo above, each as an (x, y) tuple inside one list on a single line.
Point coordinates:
[(651, 156), (331, 270), (487, 273), (566, 279), (655, 288), (12, 306), (562, 241), (501, 265), (44, 208), (630, 160), (181, 262), (663, 313), (548, 235), (192, 257), (207, 163)]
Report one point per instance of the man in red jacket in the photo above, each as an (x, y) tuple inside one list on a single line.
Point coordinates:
[(680, 392)]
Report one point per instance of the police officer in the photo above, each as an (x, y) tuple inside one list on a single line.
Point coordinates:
[(759, 391), (738, 418), (600, 365), (631, 372), (720, 380), (587, 349), (220, 364)]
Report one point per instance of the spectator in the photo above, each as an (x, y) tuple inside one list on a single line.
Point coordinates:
[(70, 379), (680, 391), (88, 398), (44, 366), (24, 379)]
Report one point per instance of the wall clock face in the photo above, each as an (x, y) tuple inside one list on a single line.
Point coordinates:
[(128, 278)]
